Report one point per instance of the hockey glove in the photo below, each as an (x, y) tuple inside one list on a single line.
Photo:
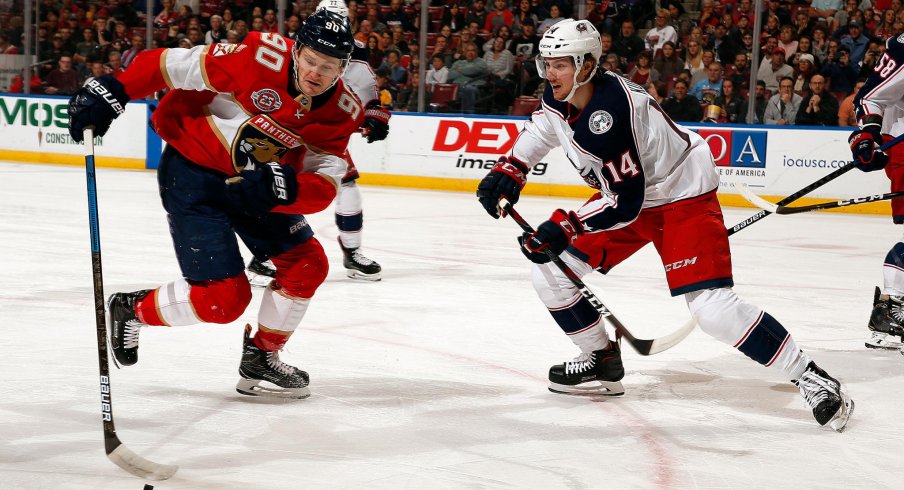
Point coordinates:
[(865, 145), (376, 122), (96, 104), (256, 192), (506, 179), (554, 235)]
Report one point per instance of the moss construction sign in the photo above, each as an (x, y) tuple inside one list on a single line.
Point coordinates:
[(36, 129)]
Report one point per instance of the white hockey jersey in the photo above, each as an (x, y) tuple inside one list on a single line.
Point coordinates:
[(624, 145), (883, 93), (359, 77)]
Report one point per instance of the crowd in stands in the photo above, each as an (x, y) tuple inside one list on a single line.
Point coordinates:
[(693, 57)]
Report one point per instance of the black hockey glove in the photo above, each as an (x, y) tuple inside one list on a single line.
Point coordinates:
[(376, 122), (555, 234), (506, 179), (96, 104), (256, 192), (865, 145)]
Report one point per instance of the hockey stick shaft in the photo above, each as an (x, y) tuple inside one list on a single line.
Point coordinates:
[(806, 190), (838, 204), (116, 451), (644, 347)]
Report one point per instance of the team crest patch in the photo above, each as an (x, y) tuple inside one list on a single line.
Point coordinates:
[(600, 122), (266, 100), (581, 27), (222, 49), (901, 39)]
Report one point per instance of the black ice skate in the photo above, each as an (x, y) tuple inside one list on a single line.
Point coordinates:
[(263, 374), (825, 395), (597, 373), (260, 272), (124, 327), (886, 323), (357, 266)]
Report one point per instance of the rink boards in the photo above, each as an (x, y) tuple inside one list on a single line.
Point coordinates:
[(453, 152)]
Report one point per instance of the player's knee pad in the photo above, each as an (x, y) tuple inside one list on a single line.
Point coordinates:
[(302, 269), (722, 314), (553, 286), (349, 199), (221, 301)]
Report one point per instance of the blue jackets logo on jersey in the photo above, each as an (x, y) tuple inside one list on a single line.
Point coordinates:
[(600, 122), (736, 148)]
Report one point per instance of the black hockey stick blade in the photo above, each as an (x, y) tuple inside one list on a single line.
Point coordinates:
[(130, 461), (838, 204), (766, 205), (644, 347)]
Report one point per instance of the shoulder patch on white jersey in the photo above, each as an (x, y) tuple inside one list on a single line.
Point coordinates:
[(600, 122)]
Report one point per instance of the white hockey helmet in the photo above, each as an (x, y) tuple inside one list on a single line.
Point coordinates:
[(337, 6), (574, 38)]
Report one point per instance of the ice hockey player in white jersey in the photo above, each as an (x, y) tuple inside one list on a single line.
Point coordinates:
[(879, 107), (362, 81), (656, 182)]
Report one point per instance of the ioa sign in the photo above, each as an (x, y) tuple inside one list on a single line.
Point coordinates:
[(735, 148)]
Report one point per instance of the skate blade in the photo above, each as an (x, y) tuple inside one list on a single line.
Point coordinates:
[(590, 388), (254, 387), (883, 341), (840, 420), (360, 276), (258, 280)]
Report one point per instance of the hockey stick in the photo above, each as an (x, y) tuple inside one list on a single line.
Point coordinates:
[(124, 457), (836, 204), (797, 195), (644, 347)]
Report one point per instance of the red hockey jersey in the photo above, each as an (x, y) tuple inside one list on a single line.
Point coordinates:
[(230, 106)]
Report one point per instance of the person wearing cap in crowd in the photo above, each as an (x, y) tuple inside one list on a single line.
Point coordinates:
[(773, 69), (806, 68), (856, 41)]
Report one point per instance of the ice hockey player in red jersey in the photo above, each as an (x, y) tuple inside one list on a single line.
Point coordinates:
[(879, 106), (656, 183), (256, 137), (361, 80)]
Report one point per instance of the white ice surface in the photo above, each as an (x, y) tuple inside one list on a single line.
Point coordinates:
[(436, 376)]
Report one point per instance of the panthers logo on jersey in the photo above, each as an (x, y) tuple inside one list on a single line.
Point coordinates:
[(260, 140)]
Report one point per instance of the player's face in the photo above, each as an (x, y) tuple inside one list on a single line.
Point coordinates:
[(560, 75), (316, 71)]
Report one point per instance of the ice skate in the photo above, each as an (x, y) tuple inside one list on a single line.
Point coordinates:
[(597, 373), (357, 266), (260, 272), (124, 327), (263, 374), (825, 395), (886, 323)]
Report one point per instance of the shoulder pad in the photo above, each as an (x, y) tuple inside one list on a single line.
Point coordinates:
[(360, 51)]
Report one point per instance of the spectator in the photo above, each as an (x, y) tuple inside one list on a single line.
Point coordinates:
[(217, 32), (855, 41), (17, 85), (698, 76), (500, 63), (505, 33), (441, 49), (195, 36), (383, 88), (654, 90), (740, 72), (114, 63), (365, 32), (477, 13), (97, 69), (88, 50), (228, 20), (733, 106), (470, 74), (167, 15), (453, 17), (661, 33), (706, 91), (257, 24), (438, 72), (374, 53), (5, 46), (693, 56), (555, 16), (643, 72), (63, 80), (241, 30), (820, 44), (846, 115), (628, 45), (787, 42), (743, 9), (501, 16), (666, 62), (271, 24), (708, 16), (132, 52), (819, 107), (775, 8), (397, 17), (398, 75), (805, 46), (803, 72), (772, 70), (722, 45), (782, 107), (802, 25), (682, 107)]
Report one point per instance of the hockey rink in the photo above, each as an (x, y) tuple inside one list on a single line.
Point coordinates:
[(434, 377)]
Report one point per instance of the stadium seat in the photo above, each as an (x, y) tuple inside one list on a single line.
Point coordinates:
[(443, 94), (524, 106)]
